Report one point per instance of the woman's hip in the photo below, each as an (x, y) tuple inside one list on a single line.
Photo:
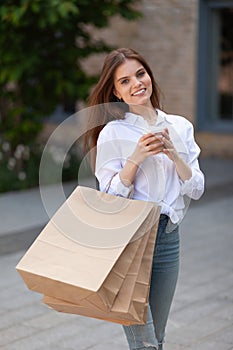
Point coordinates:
[(167, 247)]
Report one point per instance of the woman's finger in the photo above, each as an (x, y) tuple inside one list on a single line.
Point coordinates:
[(166, 134), (146, 136), (155, 147)]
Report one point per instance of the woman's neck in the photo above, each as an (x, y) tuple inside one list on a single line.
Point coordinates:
[(149, 114)]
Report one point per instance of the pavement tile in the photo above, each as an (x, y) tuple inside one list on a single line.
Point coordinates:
[(11, 334), (19, 301), (23, 316), (211, 345), (226, 312), (72, 335), (45, 320), (197, 310), (197, 332), (104, 335), (227, 335)]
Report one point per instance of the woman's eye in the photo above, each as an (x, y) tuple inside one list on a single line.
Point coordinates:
[(125, 81), (140, 74)]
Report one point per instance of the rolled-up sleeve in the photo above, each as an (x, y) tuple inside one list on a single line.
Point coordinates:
[(108, 166), (194, 187)]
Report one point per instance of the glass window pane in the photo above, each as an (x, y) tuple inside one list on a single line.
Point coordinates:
[(225, 77)]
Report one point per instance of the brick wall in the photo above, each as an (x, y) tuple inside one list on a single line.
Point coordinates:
[(166, 36)]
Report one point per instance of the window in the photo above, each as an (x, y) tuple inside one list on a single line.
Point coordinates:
[(215, 66)]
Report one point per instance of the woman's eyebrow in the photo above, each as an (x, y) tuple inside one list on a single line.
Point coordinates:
[(138, 70), (122, 78)]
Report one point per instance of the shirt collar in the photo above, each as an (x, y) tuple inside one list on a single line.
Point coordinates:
[(139, 121), (162, 116)]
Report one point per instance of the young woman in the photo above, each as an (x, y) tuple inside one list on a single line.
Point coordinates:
[(145, 154)]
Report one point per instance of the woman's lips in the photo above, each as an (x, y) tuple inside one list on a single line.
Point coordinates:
[(139, 92)]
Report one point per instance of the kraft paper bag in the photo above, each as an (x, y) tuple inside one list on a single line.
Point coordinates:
[(130, 309), (122, 296), (84, 253)]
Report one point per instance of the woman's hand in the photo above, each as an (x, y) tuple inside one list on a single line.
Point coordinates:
[(169, 148), (182, 168), (148, 145)]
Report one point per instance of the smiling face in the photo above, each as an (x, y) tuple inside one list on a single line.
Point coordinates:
[(133, 84)]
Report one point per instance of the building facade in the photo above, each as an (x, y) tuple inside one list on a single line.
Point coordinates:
[(189, 45)]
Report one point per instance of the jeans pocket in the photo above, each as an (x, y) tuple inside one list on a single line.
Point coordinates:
[(169, 235)]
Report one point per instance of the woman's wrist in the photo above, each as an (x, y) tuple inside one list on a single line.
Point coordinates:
[(128, 172), (183, 169), (133, 161)]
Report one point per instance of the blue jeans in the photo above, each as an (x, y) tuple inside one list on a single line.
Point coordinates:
[(165, 270)]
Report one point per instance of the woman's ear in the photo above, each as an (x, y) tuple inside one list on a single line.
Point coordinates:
[(116, 94)]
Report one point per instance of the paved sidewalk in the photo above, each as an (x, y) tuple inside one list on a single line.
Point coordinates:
[(202, 312), (24, 211)]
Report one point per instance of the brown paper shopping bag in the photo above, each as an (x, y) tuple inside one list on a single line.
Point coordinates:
[(76, 258), (128, 308)]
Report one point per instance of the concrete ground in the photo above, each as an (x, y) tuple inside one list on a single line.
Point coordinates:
[(202, 312)]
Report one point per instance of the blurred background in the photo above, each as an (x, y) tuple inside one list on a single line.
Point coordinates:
[(51, 53)]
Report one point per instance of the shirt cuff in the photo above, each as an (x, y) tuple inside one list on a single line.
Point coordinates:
[(193, 187), (119, 189)]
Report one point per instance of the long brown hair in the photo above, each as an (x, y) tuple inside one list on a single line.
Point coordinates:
[(103, 94)]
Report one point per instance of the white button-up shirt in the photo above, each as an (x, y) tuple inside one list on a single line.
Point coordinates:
[(156, 179)]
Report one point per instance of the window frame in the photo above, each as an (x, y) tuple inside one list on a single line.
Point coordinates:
[(204, 120)]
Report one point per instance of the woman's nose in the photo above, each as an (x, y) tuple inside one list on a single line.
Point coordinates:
[(136, 82)]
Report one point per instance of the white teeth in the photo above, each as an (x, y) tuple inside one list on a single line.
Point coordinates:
[(139, 92)]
